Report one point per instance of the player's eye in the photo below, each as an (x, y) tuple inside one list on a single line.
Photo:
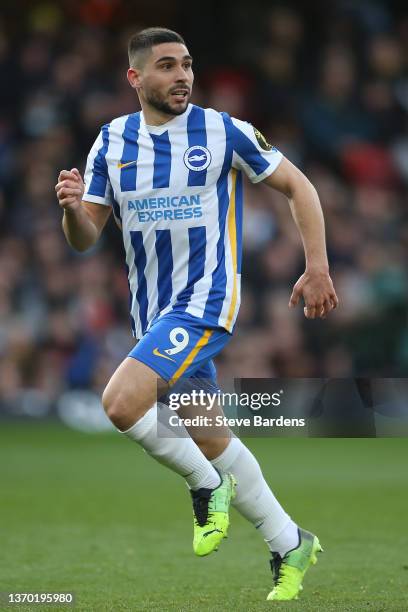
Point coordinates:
[(187, 65), (166, 66)]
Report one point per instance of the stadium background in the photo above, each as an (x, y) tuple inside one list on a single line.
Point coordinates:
[(327, 83)]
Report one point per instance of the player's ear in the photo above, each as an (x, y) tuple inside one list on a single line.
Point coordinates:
[(134, 76)]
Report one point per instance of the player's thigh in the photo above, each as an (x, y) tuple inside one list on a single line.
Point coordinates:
[(134, 387)]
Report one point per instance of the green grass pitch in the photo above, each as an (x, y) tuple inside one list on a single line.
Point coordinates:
[(96, 516)]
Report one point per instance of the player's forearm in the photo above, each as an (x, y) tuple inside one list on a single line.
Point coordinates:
[(80, 232), (308, 215)]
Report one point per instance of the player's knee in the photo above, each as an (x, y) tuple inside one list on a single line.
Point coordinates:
[(112, 403), (117, 405), (123, 406)]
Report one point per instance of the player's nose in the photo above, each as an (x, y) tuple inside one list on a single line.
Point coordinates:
[(181, 76)]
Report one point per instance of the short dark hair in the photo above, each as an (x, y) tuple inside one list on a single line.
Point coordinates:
[(143, 41)]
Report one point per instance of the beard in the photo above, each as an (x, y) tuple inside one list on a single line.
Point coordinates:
[(159, 103)]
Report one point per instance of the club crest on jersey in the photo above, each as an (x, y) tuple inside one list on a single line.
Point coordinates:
[(197, 158)]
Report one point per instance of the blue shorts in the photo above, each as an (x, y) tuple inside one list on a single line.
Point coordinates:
[(179, 346)]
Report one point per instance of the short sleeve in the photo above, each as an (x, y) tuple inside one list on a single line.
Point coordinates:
[(97, 185), (251, 152)]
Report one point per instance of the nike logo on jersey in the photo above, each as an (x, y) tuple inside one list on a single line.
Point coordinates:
[(126, 164), (159, 354)]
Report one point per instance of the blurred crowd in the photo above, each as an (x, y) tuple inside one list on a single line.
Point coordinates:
[(327, 83)]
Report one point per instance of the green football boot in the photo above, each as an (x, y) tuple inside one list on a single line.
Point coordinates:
[(211, 519), (288, 571)]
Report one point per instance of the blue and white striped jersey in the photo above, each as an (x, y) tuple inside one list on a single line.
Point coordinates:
[(176, 192)]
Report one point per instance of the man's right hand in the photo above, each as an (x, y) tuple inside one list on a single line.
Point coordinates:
[(70, 189)]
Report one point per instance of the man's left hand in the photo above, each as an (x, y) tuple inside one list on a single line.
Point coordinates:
[(316, 288)]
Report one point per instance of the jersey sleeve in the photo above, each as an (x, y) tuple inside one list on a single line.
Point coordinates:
[(251, 152), (97, 184)]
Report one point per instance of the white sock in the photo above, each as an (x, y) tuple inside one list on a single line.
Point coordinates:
[(254, 499), (178, 451), (286, 540)]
